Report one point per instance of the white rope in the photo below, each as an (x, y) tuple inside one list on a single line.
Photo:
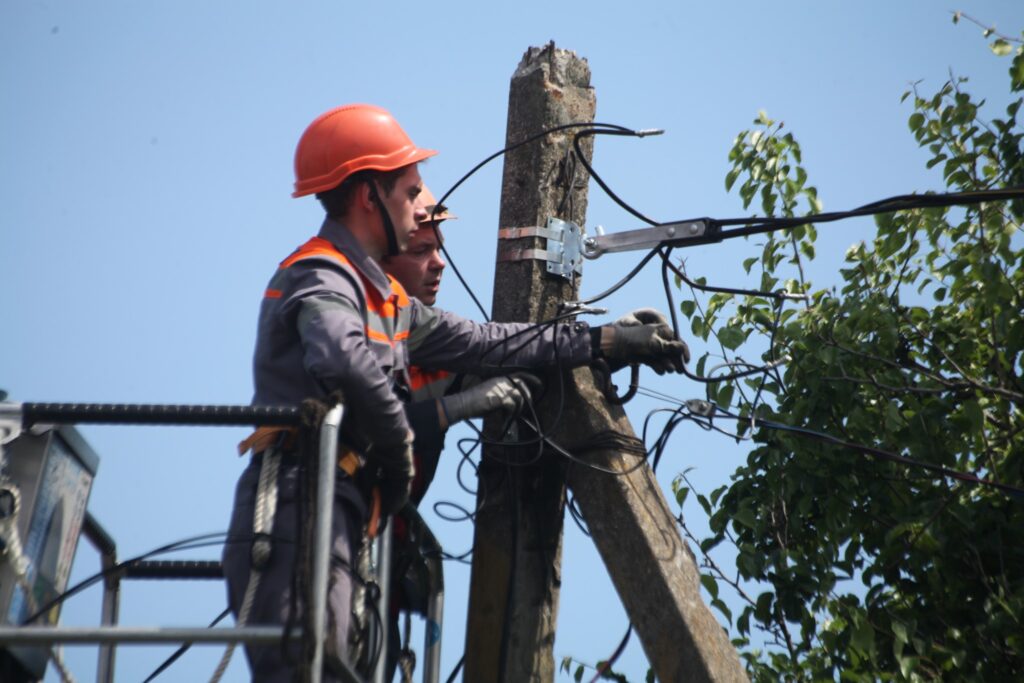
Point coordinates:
[(262, 526), (15, 555)]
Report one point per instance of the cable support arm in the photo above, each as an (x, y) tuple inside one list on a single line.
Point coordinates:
[(688, 233)]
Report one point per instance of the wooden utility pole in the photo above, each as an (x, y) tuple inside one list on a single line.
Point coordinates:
[(518, 537), (517, 546)]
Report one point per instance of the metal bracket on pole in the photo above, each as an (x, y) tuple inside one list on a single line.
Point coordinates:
[(679, 234), (563, 249)]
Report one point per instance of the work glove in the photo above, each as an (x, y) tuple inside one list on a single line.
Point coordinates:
[(504, 396), (396, 470), (644, 336)]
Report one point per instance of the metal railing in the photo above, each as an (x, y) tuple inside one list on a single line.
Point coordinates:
[(16, 417)]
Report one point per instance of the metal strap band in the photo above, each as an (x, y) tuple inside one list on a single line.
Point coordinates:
[(527, 255), (529, 231)]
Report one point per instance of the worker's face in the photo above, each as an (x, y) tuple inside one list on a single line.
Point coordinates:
[(404, 206), (419, 268)]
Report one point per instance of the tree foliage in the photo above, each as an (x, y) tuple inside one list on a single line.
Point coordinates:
[(866, 569)]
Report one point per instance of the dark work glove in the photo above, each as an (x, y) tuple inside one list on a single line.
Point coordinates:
[(503, 395), (396, 472), (644, 336)]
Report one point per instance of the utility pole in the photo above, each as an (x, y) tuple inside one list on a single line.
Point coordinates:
[(518, 536), (517, 546)]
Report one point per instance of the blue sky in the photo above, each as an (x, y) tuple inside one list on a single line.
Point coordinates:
[(145, 181)]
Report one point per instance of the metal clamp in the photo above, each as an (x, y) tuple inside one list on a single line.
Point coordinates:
[(563, 252), (683, 233)]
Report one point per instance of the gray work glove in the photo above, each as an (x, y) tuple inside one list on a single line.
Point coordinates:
[(505, 396), (644, 336), (396, 470)]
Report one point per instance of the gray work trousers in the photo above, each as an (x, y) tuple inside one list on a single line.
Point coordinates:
[(268, 663)]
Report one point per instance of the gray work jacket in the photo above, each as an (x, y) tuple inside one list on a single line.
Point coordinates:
[(312, 339)]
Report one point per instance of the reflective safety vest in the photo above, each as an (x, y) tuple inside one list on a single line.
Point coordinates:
[(429, 384), (386, 320)]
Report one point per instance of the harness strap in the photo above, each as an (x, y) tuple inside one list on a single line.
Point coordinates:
[(265, 437), (262, 527)]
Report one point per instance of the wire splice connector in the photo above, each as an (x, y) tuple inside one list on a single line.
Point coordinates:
[(700, 407)]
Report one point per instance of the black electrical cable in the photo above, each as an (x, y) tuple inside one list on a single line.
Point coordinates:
[(604, 186), (884, 455), (176, 655), (599, 128), (607, 666), (755, 226), (200, 541), (713, 409), (457, 669), (778, 295)]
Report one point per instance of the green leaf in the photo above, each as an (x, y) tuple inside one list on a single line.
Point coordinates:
[(725, 395), (745, 516), (1001, 48), (704, 503), (763, 608), (723, 608), (710, 585), (916, 120), (731, 337), (730, 178), (681, 493), (687, 307)]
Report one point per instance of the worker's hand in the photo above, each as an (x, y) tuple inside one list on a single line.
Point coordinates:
[(505, 396), (644, 336), (396, 470)]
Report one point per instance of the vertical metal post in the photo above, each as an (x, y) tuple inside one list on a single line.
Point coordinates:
[(108, 617), (383, 544), (432, 637), (101, 540), (322, 536)]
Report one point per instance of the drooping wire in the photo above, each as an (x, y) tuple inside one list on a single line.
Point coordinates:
[(966, 477), (708, 411), (176, 655), (607, 666), (597, 128), (200, 541)]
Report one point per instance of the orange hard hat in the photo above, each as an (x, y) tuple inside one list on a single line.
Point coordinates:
[(428, 201), (349, 139)]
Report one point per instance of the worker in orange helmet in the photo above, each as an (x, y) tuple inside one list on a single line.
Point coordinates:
[(332, 322)]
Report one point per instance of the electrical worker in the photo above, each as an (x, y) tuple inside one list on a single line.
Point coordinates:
[(419, 269), (331, 322)]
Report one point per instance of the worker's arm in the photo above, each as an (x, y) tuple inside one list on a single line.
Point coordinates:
[(442, 340), (335, 353)]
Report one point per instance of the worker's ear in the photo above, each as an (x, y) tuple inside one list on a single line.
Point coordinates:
[(364, 197)]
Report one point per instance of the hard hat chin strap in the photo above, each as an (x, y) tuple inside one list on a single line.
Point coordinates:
[(389, 227)]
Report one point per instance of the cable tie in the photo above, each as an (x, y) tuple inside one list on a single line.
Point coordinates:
[(644, 132)]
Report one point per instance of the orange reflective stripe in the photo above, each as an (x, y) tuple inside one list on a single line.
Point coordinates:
[(420, 378), (378, 336), (398, 291), (272, 293), (316, 246), (380, 311)]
